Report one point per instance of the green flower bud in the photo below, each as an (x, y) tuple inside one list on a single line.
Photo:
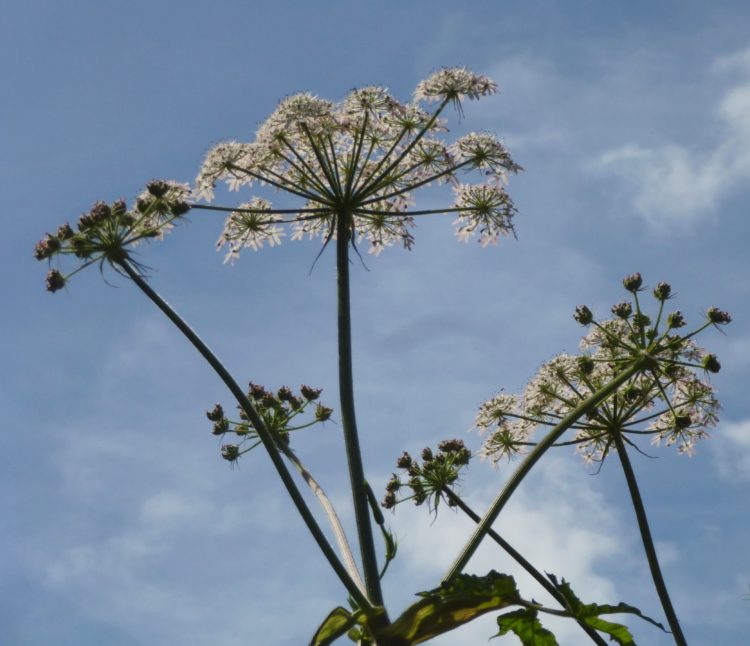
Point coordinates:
[(583, 315), (393, 485), (230, 452), (221, 426), (55, 280), (389, 502), (633, 282), (215, 414), (179, 208), (323, 413), (718, 317), (157, 187), (310, 394), (711, 363), (622, 310), (675, 320), (65, 232), (47, 247), (662, 291), (585, 365), (405, 461)]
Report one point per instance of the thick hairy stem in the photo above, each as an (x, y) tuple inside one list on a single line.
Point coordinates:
[(263, 433), (648, 542), (526, 565), (533, 457), (348, 420), (330, 512)]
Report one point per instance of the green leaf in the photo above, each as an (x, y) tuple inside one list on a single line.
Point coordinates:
[(525, 625), (453, 604), (337, 623), (589, 613), (617, 632)]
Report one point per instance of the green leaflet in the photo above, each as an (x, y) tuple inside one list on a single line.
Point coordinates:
[(453, 604), (590, 613), (525, 625), (336, 624)]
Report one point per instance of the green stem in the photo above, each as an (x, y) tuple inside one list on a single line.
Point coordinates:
[(263, 433), (531, 459), (526, 565), (348, 420), (648, 542)]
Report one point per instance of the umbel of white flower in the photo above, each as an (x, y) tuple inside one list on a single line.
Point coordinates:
[(360, 160), (672, 401)]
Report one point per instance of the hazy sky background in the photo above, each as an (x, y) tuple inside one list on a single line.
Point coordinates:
[(122, 525)]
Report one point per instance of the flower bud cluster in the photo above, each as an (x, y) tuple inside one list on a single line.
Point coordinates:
[(276, 409), (107, 231), (427, 479), (670, 399)]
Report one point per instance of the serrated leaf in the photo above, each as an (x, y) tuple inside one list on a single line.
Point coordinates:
[(525, 625), (453, 604), (337, 623), (590, 614)]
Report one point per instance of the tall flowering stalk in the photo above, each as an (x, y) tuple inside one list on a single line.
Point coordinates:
[(638, 376), (349, 171), (355, 165)]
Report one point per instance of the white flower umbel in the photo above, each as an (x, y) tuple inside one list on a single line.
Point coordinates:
[(360, 160), (672, 401)]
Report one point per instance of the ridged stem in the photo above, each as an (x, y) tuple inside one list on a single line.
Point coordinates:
[(648, 541), (260, 427), (348, 419)]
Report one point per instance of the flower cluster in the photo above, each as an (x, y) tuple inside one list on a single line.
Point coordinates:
[(107, 231), (429, 479), (277, 410), (670, 400), (360, 160)]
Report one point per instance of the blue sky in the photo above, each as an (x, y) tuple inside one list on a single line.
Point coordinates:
[(124, 527)]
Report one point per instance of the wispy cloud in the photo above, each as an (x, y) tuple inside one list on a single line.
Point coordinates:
[(683, 183), (732, 448)]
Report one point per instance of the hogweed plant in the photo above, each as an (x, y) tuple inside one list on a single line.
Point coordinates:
[(350, 170)]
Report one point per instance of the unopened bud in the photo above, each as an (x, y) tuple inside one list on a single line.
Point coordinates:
[(230, 452), (586, 365), (718, 317), (711, 363), (323, 413), (55, 280), (179, 208), (662, 291), (215, 414), (675, 320), (157, 187), (622, 310), (404, 462), (310, 394), (633, 282), (583, 315)]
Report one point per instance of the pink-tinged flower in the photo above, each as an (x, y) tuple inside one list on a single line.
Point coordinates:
[(361, 160)]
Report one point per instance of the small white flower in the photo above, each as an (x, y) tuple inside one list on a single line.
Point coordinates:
[(361, 160), (250, 228)]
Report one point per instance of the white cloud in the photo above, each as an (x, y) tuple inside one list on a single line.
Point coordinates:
[(732, 449), (682, 184)]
